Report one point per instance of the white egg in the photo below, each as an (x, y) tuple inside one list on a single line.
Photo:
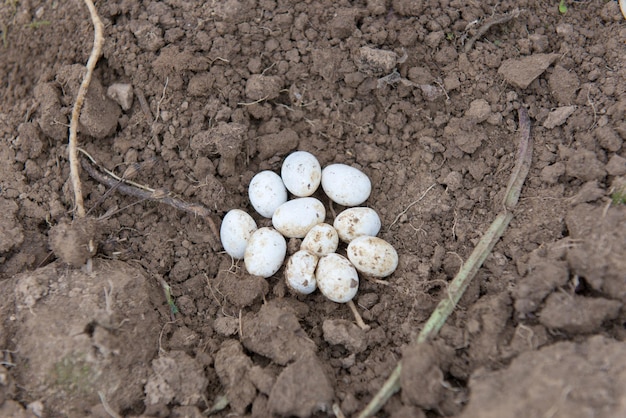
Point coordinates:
[(296, 217), (265, 252), (321, 240), (346, 185), (337, 278), (356, 222), (237, 227), (300, 272), (301, 173), (267, 192), (373, 256)]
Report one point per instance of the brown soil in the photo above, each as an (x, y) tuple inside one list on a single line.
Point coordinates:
[(398, 88)]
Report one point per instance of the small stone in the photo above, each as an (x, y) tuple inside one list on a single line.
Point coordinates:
[(478, 111), (523, 71), (122, 93), (558, 116), (376, 61)]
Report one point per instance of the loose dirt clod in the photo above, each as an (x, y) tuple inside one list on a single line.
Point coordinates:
[(276, 333), (294, 395), (422, 380), (74, 242), (577, 370), (99, 331)]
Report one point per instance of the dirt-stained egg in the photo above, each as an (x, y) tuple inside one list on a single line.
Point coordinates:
[(373, 256), (235, 232), (300, 272), (267, 192), (356, 222), (265, 252), (346, 185), (321, 240), (337, 278), (296, 217), (301, 173)]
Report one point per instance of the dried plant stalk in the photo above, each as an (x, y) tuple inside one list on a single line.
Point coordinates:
[(467, 272)]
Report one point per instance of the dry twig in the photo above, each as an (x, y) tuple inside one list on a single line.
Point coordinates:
[(470, 267), (155, 195)]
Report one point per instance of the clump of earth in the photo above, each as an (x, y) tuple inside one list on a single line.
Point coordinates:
[(136, 311)]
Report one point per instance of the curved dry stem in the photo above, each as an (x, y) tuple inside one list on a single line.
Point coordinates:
[(470, 267), (78, 104)]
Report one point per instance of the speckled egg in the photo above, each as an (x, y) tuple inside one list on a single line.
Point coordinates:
[(236, 229), (373, 256), (356, 222), (321, 240), (301, 173), (296, 217), (300, 272), (337, 278), (346, 185), (267, 192), (265, 252)]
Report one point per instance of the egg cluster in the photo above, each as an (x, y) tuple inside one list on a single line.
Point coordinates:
[(316, 264)]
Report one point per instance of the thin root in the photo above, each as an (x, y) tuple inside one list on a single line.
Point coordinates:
[(411, 205), (357, 316), (78, 104), (488, 24)]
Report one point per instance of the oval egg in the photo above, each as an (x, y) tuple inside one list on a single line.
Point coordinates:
[(265, 252), (373, 256), (346, 185), (235, 232), (296, 217), (267, 192), (337, 278), (300, 272), (356, 222), (301, 173), (321, 240)]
